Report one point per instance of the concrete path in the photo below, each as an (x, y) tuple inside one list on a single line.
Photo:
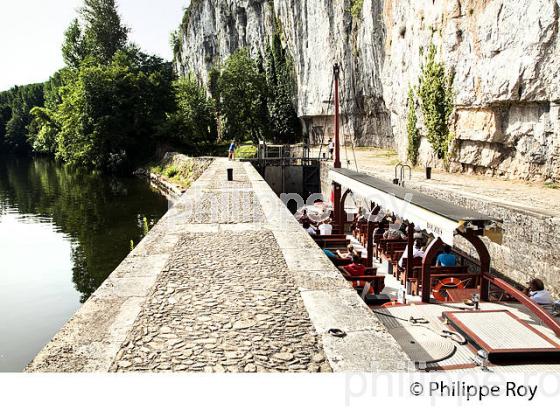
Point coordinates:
[(226, 282)]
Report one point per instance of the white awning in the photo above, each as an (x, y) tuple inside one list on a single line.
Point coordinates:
[(416, 207)]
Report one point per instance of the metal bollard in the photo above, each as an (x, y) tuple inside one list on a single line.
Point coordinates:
[(230, 174), (428, 172)]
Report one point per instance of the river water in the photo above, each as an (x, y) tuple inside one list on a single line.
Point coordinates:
[(62, 232)]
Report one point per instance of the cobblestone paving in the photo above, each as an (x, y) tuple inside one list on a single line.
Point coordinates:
[(226, 301), (226, 202), (232, 308)]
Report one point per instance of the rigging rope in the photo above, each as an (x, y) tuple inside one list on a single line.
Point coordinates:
[(352, 135), (326, 118)]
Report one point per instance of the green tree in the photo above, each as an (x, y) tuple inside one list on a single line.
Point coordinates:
[(74, 49), (109, 114), (98, 33), (45, 121), (412, 129), (15, 106), (193, 123), (104, 33), (436, 97), (5, 115), (242, 89), (281, 91)]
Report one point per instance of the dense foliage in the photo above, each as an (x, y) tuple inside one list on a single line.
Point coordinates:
[(106, 110), (356, 7), (241, 89), (101, 35), (192, 125), (255, 98), (280, 79), (436, 98), (414, 137), (110, 113), (15, 117)]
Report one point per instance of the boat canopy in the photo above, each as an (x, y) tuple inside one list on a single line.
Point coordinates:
[(438, 217)]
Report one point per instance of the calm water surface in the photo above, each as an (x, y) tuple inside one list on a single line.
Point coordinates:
[(62, 232)]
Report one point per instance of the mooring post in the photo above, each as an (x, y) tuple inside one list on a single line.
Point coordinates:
[(369, 244), (410, 254), (337, 206), (336, 71)]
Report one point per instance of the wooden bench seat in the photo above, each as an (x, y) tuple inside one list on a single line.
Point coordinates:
[(325, 242), (414, 284)]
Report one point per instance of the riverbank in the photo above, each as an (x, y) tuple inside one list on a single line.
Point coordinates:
[(175, 173)]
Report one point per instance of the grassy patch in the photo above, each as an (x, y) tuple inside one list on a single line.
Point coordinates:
[(356, 8), (246, 151), (182, 176), (552, 185), (171, 171)]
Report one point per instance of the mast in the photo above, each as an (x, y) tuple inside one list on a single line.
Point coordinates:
[(336, 71)]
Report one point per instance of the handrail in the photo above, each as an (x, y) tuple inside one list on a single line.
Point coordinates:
[(521, 297)]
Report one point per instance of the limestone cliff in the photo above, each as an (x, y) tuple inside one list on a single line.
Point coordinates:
[(505, 55)]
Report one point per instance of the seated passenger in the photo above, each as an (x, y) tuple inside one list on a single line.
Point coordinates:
[(418, 233), (446, 258), (310, 230), (417, 252), (393, 233), (357, 215), (538, 294), (346, 255), (304, 217), (380, 230), (330, 254), (356, 268), (326, 228)]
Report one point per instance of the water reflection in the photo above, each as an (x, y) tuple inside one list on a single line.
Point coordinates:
[(62, 232)]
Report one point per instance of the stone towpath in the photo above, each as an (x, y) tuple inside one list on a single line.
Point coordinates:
[(226, 282)]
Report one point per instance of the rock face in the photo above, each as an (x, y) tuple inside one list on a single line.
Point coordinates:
[(505, 56)]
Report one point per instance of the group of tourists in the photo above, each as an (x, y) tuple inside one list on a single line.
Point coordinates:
[(315, 228), (389, 228), (350, 258)]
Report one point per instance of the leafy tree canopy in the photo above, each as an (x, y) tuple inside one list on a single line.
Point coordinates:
[(110, 113), (242, 89), (193, 123), (98, 33)]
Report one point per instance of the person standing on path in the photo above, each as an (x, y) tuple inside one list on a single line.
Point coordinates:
[(231, 151), (331, 148)]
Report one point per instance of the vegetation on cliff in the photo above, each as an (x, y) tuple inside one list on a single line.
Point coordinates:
[(281, 90), (356, 7), (436, 101), (254, 97), (242, 93), (414, 136)]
